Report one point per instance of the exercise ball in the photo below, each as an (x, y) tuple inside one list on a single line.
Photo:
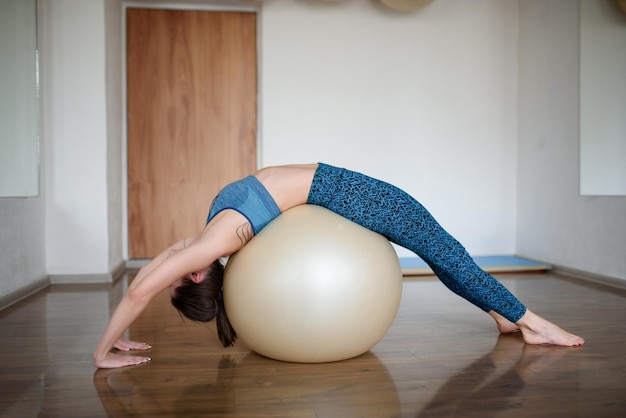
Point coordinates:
[(312, 287)]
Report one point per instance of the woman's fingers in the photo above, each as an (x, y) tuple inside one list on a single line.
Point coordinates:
[(127, 345)]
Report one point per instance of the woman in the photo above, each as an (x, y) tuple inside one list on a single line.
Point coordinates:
[(193, 273)]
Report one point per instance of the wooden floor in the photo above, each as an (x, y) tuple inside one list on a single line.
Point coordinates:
[(441, 358)]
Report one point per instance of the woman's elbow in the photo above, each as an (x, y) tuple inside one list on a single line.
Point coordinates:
[(137, 295)]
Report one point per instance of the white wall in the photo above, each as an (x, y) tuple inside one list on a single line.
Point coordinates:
[(75, 130), (75, 227), (22, 248), (425, 100), (556, 224), (23, 259), (115, 116), (404, 97)]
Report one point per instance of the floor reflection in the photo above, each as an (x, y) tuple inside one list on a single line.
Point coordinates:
[(491, 384), (440, 359), (251, 386), (46, 345)]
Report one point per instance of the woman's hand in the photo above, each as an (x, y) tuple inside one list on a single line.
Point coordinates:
[(127, 345), (113, 360), (140, 292)]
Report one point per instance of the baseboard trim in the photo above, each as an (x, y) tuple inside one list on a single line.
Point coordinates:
[(111, 277), (590, 277), (53, 279), (137, 263), (24, 292)]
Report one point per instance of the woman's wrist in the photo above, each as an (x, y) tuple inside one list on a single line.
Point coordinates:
[(97, 357)]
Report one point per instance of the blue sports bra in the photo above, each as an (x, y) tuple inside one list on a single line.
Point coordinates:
[(250, 198)]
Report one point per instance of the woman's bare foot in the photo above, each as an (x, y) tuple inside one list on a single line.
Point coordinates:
[(537, 330), (504, 325)]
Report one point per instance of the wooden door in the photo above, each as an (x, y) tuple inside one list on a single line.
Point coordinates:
[(191, 91)]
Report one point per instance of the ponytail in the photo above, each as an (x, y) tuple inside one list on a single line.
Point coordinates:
[(225, 331)]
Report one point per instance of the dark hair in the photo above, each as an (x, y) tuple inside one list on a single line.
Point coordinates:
[(203, 302)]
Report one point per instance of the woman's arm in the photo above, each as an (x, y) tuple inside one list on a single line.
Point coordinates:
[(164, 255), (193, 258), (124, 315), (218, 239), (126, 345)]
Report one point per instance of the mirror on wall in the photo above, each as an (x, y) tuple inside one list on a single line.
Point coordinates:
[(603, 97), (19, 99)]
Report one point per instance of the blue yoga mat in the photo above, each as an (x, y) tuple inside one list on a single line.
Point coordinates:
[(415, 266)]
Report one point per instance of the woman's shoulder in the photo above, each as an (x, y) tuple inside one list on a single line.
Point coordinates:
[(227, 233)]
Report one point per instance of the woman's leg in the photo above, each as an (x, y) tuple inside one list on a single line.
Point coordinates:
[(386, 209)]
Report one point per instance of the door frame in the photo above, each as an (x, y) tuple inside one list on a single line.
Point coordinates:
[(208, 5)]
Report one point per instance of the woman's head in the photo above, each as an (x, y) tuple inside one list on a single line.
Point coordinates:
[(201, 301)]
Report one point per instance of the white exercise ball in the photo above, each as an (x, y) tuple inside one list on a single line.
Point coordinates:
[(313, 287)]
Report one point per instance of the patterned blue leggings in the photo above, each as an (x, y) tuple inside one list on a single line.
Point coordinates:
[(393, 213)]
